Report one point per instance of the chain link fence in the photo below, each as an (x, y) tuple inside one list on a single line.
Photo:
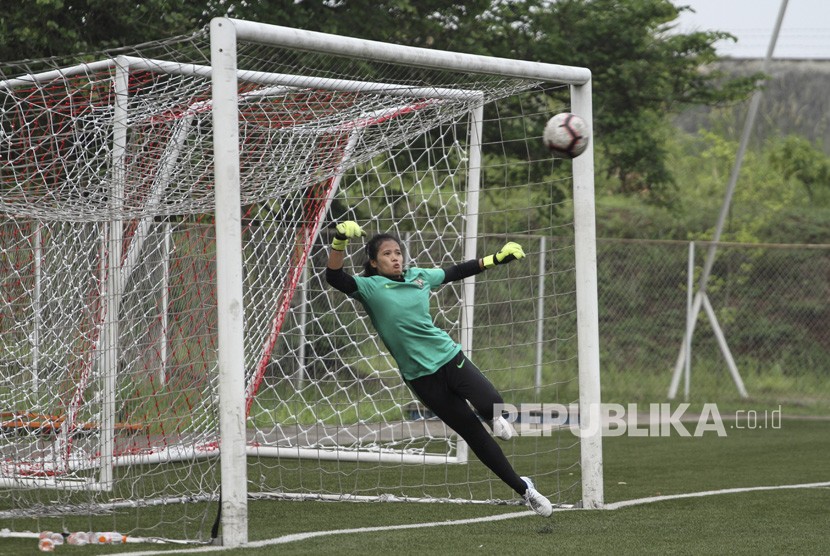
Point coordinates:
[(770, 302)]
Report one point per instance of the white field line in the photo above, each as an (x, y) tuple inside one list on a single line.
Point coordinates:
[(499, 517), (314, 534), (651, 499)]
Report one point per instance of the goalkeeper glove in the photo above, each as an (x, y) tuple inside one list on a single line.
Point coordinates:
[(344, 232), (510, 252)]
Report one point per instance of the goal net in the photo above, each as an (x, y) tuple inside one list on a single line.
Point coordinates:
[(115, 175)]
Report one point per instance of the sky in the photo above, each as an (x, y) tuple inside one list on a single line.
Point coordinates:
[(805, 29)]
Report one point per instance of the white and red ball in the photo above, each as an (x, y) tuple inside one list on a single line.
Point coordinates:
[(566, 135)]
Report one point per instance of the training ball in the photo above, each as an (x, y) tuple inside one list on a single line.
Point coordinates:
[(566, 135)]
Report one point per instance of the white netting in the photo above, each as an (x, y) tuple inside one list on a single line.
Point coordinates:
[(106, 197)]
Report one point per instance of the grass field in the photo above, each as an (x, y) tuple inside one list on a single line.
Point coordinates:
[(784, 521)]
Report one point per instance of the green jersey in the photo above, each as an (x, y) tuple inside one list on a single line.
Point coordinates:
[(400, 313)]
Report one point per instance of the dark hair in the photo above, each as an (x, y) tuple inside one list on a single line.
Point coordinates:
[(372, 247)]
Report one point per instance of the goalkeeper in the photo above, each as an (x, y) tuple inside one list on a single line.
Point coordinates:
[(431, 363)]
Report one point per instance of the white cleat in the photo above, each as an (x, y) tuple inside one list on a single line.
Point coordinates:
[(536, 501), (503, 429)]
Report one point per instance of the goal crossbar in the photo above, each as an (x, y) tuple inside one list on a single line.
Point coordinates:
[(363, 49)]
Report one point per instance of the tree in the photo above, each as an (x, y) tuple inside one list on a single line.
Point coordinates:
[(30, 30), (795, 157), (643, 72), (426, 23)]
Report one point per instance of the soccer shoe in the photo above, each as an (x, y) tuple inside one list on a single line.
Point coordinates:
[(503, 429), (536, 501)]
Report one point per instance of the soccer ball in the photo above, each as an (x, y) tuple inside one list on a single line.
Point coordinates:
[(566, 135)]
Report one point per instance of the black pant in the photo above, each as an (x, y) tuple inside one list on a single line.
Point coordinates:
[(446, 393)]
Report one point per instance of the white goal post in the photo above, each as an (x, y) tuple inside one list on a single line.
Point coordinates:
[(167, 338), (224, 36)]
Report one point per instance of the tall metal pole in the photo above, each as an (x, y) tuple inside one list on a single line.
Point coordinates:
[(739, 157), (724, 211)]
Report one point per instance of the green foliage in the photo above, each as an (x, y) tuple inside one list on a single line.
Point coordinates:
[(629, 218), (760, 195), (771, 202), (46, 28), (642, 72), (796, 158), (799, 224), (425, 23)]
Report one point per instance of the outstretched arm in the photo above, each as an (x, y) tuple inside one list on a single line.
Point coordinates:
[(462, 270), (510, 252)]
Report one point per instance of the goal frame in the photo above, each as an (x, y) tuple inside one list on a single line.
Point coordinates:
[(225, 33)]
